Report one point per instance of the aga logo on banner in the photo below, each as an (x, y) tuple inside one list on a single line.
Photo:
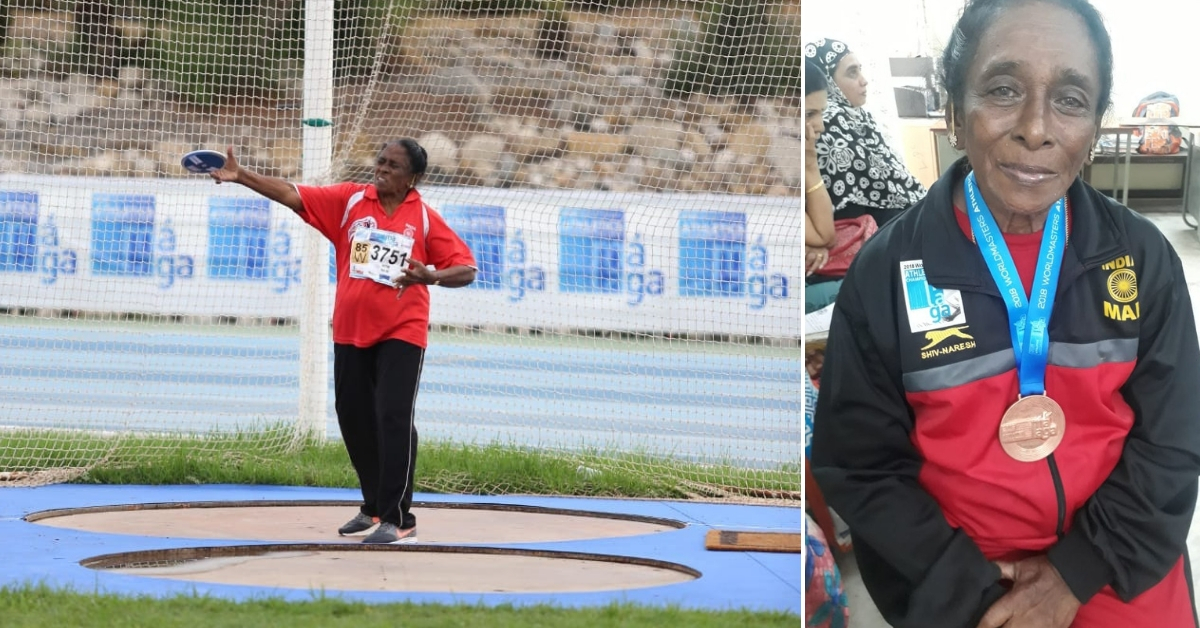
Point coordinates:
[(27, 246), (125, 242), (594, 256), (243, 247), (590, 247), (56, 259), (502, 262), (238, 230), (715, 260)]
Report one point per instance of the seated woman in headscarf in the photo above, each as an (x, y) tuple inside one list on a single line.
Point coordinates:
[(861, 172)]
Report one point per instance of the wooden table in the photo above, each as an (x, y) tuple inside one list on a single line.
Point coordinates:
[(1126, 127)]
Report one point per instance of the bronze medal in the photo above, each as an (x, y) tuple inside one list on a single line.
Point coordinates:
[(1032, 428)]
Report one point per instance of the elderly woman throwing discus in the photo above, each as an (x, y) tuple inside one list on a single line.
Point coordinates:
[(1009, 418), (389, 247)]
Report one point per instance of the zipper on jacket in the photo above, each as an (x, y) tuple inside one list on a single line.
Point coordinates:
[(1060, 494)]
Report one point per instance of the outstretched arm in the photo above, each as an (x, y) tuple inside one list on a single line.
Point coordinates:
[(276, 189)]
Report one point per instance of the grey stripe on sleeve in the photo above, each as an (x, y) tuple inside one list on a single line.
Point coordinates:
[(1091, 354), (1067, 355)]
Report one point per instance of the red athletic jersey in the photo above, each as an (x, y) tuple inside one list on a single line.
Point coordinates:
[(366, 312)]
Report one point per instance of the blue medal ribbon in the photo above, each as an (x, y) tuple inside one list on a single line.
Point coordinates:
[(1028, 318)]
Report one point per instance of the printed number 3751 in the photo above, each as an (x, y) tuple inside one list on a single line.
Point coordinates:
[(386, 255)]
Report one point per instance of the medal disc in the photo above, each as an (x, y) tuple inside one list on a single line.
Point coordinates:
[(1032, 428)]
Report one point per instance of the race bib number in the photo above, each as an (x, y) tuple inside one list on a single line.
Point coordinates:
[(379, 255)]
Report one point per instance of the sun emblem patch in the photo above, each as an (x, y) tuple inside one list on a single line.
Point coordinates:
[(1122, 285)]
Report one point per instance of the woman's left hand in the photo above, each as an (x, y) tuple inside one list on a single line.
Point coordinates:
[(1039, 597), (815, 259), (416, 273)]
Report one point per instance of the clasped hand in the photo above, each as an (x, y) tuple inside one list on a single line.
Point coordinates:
[(416, 273), (1039, 597)]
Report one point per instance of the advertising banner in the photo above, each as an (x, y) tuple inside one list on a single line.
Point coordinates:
[(661, 263)]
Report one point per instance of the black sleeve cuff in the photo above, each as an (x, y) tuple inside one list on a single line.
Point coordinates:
[(1080, 565), (955, 591)]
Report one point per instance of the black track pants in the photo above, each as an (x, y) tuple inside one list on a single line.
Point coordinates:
[(376, 396)]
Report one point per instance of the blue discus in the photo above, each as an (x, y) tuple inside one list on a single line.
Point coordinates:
[(203, 161)]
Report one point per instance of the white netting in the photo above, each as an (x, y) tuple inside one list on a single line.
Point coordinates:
[(626, 173)]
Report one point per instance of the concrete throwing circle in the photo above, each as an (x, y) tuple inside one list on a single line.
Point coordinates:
[(409, 568), (318, 521)]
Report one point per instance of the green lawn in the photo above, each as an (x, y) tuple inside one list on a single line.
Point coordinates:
[(40, 607), (264, 458)]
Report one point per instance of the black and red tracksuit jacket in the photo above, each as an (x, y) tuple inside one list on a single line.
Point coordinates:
[(905, 444)]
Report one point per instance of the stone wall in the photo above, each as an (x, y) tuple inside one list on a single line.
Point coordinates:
[(490, 107)]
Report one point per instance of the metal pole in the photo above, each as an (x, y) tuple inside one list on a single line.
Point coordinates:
[(1116, 163), (315, 336), (1125, 178)]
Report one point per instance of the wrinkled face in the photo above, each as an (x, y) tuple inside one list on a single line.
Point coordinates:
[(849, 78), (393, 175), (1030, 107), (814, 110)]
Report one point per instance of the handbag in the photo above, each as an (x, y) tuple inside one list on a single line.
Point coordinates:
[(851, 234), (1158, 139)]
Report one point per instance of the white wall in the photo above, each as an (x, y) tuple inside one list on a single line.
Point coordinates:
[(1152, 51), (1152, 54), (875, 31)]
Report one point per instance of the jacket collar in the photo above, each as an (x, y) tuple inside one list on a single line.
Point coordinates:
[(951, 260), (410, 198)]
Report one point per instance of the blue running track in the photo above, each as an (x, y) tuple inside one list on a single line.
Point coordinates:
[(696, 405)]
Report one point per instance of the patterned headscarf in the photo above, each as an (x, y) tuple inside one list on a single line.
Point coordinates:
[(826, 53), (856, 163)]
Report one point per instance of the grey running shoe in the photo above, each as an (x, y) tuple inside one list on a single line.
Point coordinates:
[(389, 533), (359, 524)]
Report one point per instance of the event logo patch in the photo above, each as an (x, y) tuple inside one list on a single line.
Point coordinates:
[(712, 254), (929, 307)]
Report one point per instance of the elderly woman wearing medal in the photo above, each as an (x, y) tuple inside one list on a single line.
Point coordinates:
[(1009, 418)]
